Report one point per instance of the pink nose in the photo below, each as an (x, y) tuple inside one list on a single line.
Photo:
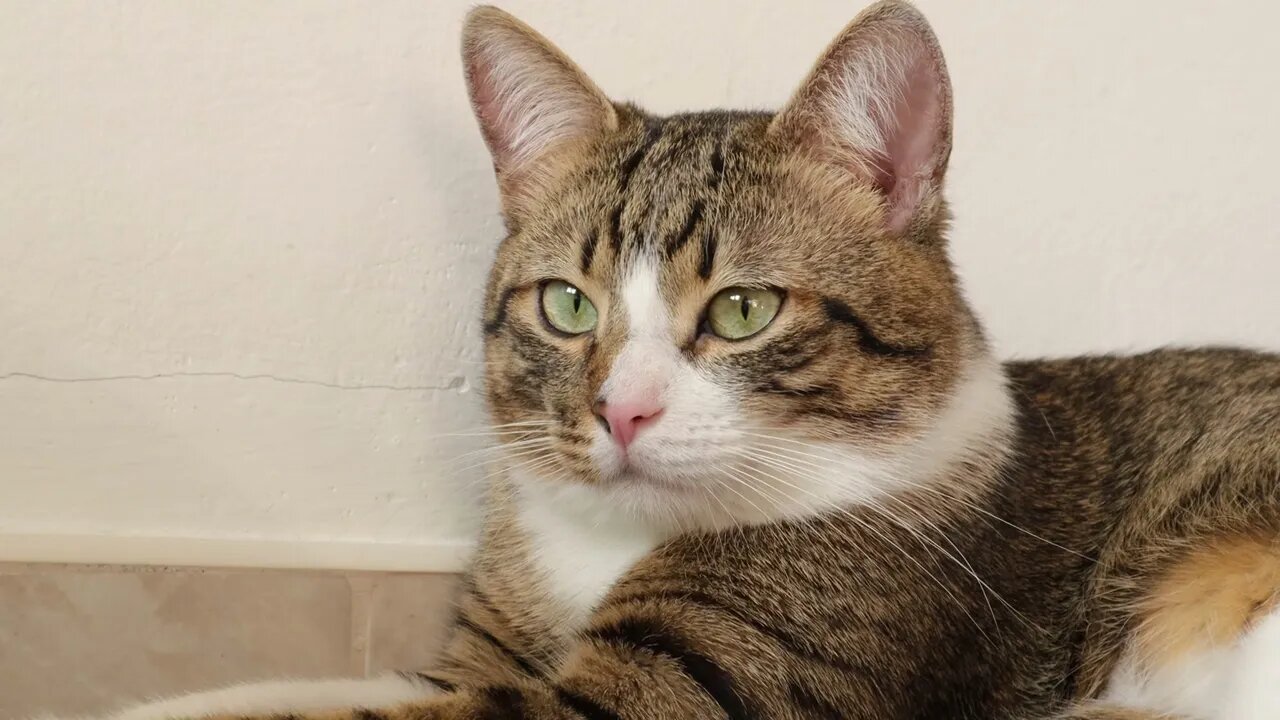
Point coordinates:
[(625, 418)]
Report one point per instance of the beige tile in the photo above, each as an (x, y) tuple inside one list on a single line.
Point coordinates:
[(409, 616), (75, 639)]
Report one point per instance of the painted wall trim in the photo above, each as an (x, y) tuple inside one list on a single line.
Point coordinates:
[(440, 556)]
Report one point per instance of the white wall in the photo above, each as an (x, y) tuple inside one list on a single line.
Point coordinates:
[(241, 242)]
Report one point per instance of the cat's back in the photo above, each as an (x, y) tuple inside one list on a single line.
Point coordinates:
[(1168, 436), (1146, 407)]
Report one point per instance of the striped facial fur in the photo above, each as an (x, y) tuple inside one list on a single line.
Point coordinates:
[(872, 375)]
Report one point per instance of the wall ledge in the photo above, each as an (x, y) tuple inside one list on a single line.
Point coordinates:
[(442, 556)]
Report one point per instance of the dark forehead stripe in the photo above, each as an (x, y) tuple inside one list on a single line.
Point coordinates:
[(670, 184), (682, 238), (694, 219), (841, 313), (615, 225), (589, 250), (717, 164), (653, 132), (708, 258), (707, 263)]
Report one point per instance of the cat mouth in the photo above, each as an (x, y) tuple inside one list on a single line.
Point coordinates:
[(631, 476)]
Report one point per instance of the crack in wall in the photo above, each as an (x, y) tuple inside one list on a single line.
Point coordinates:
[(457, 384)]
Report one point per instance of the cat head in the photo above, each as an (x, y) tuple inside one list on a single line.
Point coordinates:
[(728, 317)]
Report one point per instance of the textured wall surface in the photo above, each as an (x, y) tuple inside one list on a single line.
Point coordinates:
[(241, 242)]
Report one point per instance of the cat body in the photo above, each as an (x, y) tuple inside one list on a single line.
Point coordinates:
[(758, 459), (1013, 604)]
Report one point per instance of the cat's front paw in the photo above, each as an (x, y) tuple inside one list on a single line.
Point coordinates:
[(280, 698)]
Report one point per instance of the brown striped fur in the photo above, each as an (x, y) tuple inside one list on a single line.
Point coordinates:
[(1131, 494)]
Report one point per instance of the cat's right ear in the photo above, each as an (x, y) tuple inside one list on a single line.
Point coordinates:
[(878, 105), (529, 98)]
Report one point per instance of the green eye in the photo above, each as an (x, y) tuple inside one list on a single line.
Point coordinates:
[(739, 313), (567, 309)]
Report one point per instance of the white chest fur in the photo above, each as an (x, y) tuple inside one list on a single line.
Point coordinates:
[(580, 543), (1234, 682)]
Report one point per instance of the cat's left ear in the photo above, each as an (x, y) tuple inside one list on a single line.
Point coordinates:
[(529, 98), (878, 104)]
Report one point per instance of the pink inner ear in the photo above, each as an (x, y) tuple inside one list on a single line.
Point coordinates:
[(528, 98), (912, 136), (484, 98), (878, 103)]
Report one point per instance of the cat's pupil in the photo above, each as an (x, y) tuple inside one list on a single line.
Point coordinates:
[(746, 308), (577, 303)]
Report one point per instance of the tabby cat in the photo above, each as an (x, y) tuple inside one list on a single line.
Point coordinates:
[(760, 462)]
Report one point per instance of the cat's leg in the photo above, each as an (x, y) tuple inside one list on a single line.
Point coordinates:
[(284, 697), (1207, 644), (655, 648)]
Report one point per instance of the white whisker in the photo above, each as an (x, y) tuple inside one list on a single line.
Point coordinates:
[(863, 523)]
